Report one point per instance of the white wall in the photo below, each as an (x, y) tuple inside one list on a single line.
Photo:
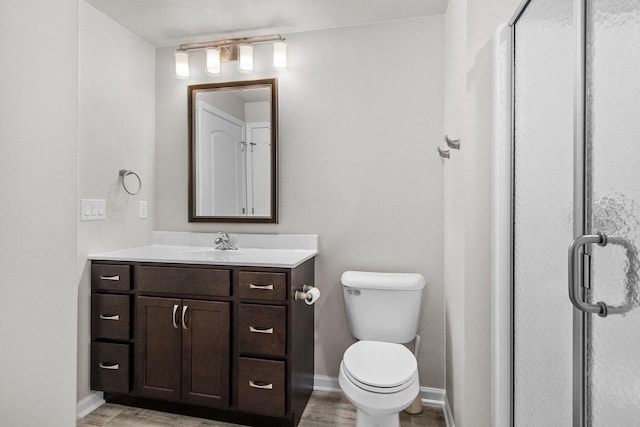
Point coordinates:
[(38, 228), (360, 109), (259, 111), (225, 101), (454, 208), (467, 205), (116, 130)]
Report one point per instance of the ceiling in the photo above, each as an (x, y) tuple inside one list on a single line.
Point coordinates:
[(172, 22)]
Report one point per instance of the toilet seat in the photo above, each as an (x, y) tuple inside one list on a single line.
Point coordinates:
[(380, 367), (378, 390)]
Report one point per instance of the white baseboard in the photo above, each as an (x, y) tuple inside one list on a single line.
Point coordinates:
[(326, 383), (89, 404), (448, 416), (432, 396), (428, 395)]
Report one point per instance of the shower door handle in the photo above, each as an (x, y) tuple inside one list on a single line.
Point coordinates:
[(600, 308)]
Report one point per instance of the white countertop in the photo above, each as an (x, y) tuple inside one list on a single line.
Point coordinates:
[(282, 256)]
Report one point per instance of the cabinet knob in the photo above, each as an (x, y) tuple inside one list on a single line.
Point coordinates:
[(113, 278), (110, 317)]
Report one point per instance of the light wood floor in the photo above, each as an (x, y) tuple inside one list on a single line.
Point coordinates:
[(323, 410)]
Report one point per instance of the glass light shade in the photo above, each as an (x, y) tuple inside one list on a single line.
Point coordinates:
[(245, 57), (182, 64), (279, 55), (213, 60)]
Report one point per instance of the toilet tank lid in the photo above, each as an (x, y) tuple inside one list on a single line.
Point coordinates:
[(371, 280)]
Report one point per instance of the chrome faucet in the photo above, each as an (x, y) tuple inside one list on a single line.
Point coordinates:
[(223, 242)]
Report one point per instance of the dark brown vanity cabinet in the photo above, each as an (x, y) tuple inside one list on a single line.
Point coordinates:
[(111, 328), (182, 350), (220, 342)]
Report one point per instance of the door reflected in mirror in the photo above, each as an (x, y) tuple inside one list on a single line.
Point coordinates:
[(233, 149)]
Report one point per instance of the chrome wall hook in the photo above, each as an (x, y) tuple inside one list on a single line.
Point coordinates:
[(444, 153), (452, 143)]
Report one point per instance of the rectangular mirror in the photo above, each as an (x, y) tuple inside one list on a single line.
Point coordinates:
[(233, 152)]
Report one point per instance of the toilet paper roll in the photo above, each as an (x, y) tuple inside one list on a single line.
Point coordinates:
[(312, 296)]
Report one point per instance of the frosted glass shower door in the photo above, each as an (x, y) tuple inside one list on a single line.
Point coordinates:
[(544, 69), (576, 175), (613, 207)]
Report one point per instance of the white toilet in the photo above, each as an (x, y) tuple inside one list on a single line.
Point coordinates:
[(378, 374)]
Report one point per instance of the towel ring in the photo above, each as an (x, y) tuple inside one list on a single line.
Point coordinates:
[(125, 173)]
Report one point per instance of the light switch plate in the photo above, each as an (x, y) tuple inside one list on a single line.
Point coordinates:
[(93, 209), (142, 209)]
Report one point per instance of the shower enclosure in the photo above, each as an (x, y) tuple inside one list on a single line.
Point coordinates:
[(575, 206)]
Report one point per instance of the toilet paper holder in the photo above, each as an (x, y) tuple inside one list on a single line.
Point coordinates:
[(305, 295)]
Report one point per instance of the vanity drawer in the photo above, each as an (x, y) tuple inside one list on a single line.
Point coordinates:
[(188, 281), (110, 316), (263, 329), (110, 277), (110, 367), (263, 286), (261, 386)]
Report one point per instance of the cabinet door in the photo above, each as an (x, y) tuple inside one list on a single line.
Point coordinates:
[(157, 347), (205, 353)]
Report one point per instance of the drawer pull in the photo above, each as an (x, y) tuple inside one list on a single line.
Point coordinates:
[(109, 317), (115, 278), (261, 386), (173, 318), (110, 366), (268, 287), (261, 331), (184, 311)]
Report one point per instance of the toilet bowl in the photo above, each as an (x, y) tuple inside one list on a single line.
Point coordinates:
[(378, 374), (380, 379)]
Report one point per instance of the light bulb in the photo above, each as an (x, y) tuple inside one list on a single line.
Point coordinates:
[(279, 55), (245, 58), (182, 64), (213, 60)]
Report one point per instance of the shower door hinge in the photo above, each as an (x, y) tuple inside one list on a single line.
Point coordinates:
[(586, 271)]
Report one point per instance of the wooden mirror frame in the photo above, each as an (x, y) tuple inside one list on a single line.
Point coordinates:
[(192, 89)]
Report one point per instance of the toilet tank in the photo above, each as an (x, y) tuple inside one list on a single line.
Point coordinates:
[(383, 306)]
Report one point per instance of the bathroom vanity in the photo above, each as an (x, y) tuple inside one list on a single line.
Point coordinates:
[(213, 334)]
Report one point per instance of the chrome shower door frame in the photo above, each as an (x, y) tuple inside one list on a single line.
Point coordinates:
[(580, 205)]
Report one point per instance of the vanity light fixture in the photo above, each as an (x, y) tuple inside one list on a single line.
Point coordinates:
[(240, 49)]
